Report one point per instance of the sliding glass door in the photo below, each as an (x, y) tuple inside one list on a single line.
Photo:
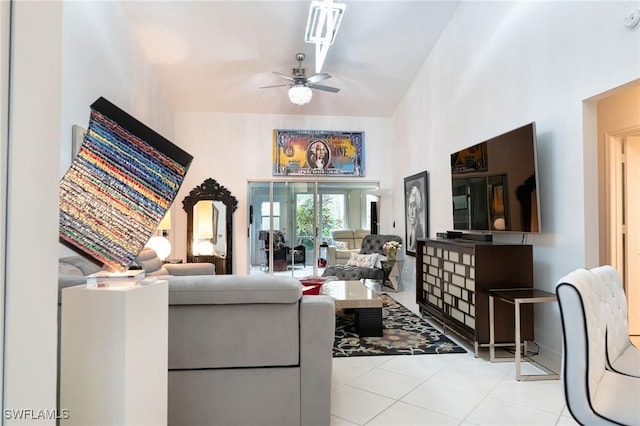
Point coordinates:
[(289, 221)]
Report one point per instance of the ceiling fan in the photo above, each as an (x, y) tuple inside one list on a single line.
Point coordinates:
[(300, 85)]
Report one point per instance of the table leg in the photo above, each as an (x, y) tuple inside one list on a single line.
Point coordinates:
[(369, 322), (492, 337), (517, 331)]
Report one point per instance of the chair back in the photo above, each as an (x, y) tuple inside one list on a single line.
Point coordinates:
[(615, 311), (583, 363), (373, 243)]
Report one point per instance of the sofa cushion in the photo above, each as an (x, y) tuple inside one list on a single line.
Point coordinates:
[(196, 328), (86, 266), (342, 234), (151, 263), (358, 236), (233, 289), (233, 335), (68, 269)]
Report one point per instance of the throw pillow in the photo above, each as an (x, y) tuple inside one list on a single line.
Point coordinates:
[(362, 260), (381, 258)]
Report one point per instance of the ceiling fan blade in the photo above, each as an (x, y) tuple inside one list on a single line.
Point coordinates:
[(325, 88), (275, 85), (319, 77), (284, 76)]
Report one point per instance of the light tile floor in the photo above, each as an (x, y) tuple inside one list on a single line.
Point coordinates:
[(454, 389)]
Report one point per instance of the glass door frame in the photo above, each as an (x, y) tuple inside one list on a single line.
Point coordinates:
[(316, 188)]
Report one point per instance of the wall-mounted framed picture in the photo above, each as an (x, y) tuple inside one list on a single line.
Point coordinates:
[(318, 152), (416, 205)]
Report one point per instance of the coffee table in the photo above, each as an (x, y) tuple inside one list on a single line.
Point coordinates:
[(364, 301)]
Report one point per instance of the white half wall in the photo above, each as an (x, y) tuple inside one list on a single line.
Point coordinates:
[(497, 66)]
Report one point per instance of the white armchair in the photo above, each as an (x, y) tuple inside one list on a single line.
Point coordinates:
[(594, 394)]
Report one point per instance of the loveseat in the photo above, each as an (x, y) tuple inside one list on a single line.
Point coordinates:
[(371, 245), (344, 242), (248, 350)]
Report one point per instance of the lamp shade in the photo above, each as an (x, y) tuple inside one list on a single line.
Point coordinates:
[(205, 248), (161, 245), (300, 94)]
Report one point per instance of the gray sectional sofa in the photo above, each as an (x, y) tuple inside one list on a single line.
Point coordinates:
[(73, 270), (242, 350), (249, 350)]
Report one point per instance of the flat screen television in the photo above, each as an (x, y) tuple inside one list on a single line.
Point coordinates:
[(494, 184)]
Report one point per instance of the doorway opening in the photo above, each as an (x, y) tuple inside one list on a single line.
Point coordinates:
[(295, 218), (617, 114), (623, 216)]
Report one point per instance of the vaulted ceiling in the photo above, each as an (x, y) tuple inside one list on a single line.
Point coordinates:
[(214, 55)]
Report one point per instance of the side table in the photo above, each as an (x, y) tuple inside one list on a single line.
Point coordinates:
[(113, 354), (516, 297), (392, 277)]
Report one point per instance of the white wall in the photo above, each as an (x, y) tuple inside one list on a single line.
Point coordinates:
[(65, 56), (497, 66), (32, 207), (235, 148), (4, 149), (103, 58)]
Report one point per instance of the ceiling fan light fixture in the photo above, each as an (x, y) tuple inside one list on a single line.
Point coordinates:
[(300, 94), (324, 21), (322, 26)]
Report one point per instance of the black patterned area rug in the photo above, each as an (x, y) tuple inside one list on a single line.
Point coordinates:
[(403, 333)]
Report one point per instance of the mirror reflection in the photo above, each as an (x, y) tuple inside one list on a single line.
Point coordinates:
[(209, 234)]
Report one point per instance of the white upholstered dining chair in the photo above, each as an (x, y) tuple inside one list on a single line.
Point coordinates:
[(622, 356), (595, 395)]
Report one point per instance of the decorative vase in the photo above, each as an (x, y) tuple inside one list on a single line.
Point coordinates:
[(391, 254)]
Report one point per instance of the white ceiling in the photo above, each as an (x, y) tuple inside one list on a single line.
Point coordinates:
[(214, 55)]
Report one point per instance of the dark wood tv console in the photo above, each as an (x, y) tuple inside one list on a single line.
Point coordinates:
[(453, 279)]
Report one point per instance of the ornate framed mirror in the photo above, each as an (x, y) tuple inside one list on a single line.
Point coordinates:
[(210, 207)]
